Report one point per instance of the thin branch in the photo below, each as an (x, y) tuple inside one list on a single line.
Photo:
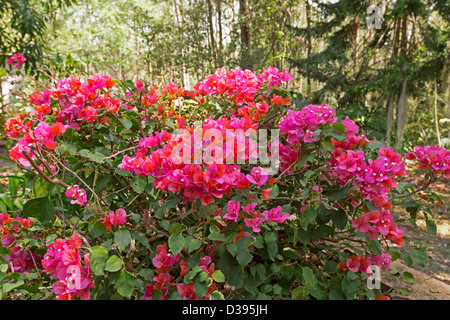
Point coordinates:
[(434, 179), (42, 174)]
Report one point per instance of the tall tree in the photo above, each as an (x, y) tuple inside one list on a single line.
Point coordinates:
[(23, 25)]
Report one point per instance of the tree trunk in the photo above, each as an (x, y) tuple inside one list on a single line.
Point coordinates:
[(402, 106), (390, 100), (402, 112), (211, 32), (436, 118), (354, 35), (389, 119), (309, 46), (219, 22), (244, 15), (445, 91), (179, 23)]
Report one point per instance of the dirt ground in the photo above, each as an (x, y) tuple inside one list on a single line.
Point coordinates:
[(433, 280), (437, 247)]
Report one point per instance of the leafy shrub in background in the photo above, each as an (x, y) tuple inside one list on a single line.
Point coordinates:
[(126, 201)]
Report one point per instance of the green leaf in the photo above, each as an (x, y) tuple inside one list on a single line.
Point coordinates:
[(192, 244), (189, 277), (97, 229), (176, 243), (327, 145), (412, 207), (243, 257), (419, 257), (159, 213), (403, 291), (40, 187), (129, 83), (40, 208), (270, 237), (236, 278), (349, 285), (173, 202), (200, 289), (431, 228), (322, 232), (308, 216), (218, 276), (4, 197), (175, 228), (339, 194), (331, 267), (339, 218), (287, 208), (141, 238), (338, 126), (103, 183), (147, 274), (7, 287), (316, 133), (370, 205), (275, 191), (308, 277), (125, 284), (402, 186), (375, 145), (217, 295), (138, 184), (113, 264), (297, 292), (272, 249), (217, 237), (122, 238), (97, 258), (374, 246), (336, 295), (96, 156), (304, 236), (127, 124), (408, 277), (395, 254)]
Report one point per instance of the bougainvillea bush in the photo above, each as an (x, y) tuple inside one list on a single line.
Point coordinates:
[(233, 190)]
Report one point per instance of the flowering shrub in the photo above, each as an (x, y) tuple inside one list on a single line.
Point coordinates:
[(224, 192), (16, 59)]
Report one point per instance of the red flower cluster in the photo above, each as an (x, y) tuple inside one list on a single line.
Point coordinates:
[(237, 84), (10, 228), (378, 222), (15, 126), (163, 261), (63, 262), (375, 179), (356, 263), (177, 166), (430, 157), (187, 290), (17, 59), (299, 126), (23, 260), (115, 218), (78, 195), (362, 263)]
